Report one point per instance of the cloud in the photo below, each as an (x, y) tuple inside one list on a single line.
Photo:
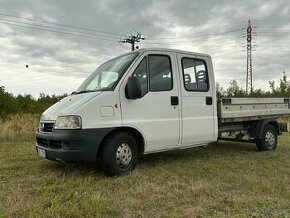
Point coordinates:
[(213, 27)]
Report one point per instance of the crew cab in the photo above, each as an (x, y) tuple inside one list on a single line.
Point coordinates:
[(148, 101)]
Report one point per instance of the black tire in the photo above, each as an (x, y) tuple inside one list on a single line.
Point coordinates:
[(269, 139), (120, 154)]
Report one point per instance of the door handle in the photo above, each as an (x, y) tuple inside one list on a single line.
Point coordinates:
[(208, 100), (174, 100)]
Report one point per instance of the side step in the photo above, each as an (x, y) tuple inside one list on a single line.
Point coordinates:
[(237, 140)]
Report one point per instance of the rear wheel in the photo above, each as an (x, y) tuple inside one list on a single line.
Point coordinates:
[(120, 154), (269, 139)]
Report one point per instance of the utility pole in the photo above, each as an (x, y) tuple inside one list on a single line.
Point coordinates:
[(249, 78), (132, 39)]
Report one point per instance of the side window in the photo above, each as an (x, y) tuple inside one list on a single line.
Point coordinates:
[(195, 75), (141, 73), (160, 74)]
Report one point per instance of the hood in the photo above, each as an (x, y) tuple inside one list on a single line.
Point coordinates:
[(68, 105)]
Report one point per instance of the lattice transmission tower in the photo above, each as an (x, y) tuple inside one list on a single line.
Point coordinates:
[(249, 78)]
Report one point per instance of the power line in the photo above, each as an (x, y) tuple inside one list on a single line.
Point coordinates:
[(199, 41), (55, 31), (278, 42), (58, 29), (268, 21), (276, 32), (222, 55), (84, 34), (203, 38), (60, 24), (225, 49), (190, 36)]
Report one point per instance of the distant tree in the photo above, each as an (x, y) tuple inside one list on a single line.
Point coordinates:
[(7, 103), (258, 93), (283, 89), (234, 90), (220, 92), (26, 103)]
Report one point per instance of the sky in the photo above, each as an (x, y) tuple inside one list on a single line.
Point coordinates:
[(52, 46)]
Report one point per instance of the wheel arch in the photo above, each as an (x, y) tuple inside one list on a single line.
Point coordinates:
[(260, 125), (136, 133)]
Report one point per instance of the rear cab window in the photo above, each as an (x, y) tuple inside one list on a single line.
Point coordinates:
[(195, 75)]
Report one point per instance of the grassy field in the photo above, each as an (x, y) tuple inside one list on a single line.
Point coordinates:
[(225, 179)]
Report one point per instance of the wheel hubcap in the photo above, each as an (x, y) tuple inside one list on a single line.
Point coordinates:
[(124, 155), (270, 139)]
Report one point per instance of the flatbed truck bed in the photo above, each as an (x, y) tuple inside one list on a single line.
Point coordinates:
[(231, 110), (245, 119)]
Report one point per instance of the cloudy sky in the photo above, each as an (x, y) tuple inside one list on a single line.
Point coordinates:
[(62, 42)]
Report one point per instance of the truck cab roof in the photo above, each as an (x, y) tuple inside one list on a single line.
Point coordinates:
[(142, 50)]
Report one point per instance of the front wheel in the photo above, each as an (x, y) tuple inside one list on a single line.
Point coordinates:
[(269, 139), (120, 154)]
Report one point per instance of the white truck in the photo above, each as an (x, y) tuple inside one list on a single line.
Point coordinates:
[(148, 101)]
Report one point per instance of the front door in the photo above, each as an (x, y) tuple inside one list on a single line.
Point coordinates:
[(156, 113)]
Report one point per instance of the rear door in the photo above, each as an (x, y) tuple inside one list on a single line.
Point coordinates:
[(197, 97), (156, 113)]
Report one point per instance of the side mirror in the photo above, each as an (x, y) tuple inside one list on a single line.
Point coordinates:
[(133, 88)]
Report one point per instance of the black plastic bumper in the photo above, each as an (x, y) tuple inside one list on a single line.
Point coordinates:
[(71, 145)]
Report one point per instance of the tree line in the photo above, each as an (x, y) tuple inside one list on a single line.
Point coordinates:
[(10, 104), (280, 88)]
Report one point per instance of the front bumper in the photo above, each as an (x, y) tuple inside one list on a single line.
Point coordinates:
[(71, 145)]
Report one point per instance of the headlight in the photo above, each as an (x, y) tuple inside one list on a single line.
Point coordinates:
[(68, 122)]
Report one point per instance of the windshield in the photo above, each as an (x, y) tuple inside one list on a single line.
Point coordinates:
[(106, 76)]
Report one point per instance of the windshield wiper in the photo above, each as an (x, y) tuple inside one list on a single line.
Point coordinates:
[(83, 91)]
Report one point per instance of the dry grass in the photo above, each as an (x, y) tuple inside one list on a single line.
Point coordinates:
[(223, 180), (18, 127)]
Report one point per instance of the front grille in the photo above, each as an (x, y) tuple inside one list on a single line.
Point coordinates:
[(54, 144), (46, 127), (42, 142), (49, 143)]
